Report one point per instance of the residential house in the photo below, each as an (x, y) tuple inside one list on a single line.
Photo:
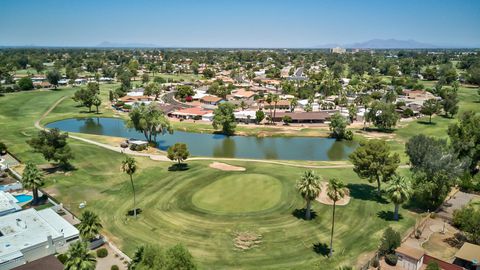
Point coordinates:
[(211, 100), (282, 105), (8, 203), (30, 235), (411, 258), (190, 113), (303, 117), (243, 94), (468, 256)]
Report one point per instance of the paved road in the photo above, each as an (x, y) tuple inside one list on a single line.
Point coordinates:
[(169, 98)]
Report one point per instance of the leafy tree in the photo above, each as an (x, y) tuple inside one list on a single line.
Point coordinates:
[(79, 257), (90, 225), (338, 126), (450, 104), (87, 97), (223, 116), (293, 104), (32, 179), (53, 77), (465, 138), (96, 101), (467, 219), (309, 188), (133, 66), (336, 191), (184, 91), (383, 115), (153, 89), (352, 112), (208, 73), (372, 160), (125, 79), (145, 78), (178, 152), (287, 119), (152, 257), (435, 166), (52, 145), (149, 120), (391, 240), (25, 83), (259, 116), (398, 191), (129, 166), (430, 107)]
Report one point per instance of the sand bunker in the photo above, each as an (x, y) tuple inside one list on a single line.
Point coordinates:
[(226, 167), (323, 197)]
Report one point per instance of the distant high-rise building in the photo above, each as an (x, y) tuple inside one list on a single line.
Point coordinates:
[(338, 50)]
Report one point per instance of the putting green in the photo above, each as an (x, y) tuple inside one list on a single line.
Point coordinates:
[(239, 193)]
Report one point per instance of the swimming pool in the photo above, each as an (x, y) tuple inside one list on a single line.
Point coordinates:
[(23, 198)]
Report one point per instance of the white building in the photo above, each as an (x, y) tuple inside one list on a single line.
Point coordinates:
[(338, 50), (8, 203), (29, 235)]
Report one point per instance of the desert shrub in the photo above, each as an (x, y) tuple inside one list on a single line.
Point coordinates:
[(114, 267), (391, 259), (102, 252)]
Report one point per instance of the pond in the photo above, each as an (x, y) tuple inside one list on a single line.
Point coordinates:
[(215, 145)]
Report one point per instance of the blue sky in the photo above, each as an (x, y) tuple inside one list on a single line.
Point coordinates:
[(237, 23)]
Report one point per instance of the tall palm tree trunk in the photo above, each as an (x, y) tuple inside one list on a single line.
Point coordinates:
[(308, 213), (134, 198), (331, 235), (395, 214), (35, 195)]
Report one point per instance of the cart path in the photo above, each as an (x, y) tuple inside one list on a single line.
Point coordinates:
[(164, 158)]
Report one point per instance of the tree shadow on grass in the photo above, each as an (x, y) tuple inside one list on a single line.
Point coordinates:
[(321, 248), (365, 192), (427, 123), (131, 213), (300, 214), (178, 167), (57, 168), (388, 215)]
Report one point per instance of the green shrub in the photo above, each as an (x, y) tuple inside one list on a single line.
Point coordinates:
[(62, 258), (114, 267), (390, 241), (348, 135), (102, 252), (391, 259)]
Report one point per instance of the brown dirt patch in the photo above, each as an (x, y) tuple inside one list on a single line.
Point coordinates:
[(323, 197), (225, 167), (246, 240)]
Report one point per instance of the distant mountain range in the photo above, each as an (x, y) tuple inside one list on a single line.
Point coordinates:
[(389, 44), (107, 44)]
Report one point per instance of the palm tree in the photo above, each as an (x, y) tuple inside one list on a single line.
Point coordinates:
[(90, 225), (32, 178), (399, 191), (309, 187), (129, 167), (275, 99), (269, 100), (336, 191), (79, 257)]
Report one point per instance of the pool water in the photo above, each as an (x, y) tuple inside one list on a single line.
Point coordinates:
[(23, 198)]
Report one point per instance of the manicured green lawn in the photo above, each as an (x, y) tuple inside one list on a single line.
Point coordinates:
[(177, 207), (239, 194)]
